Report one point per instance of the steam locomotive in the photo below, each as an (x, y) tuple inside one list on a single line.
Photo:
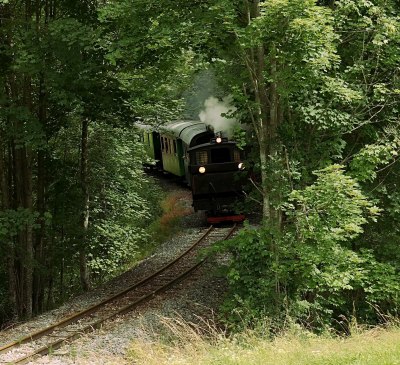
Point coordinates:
[(209, 163)]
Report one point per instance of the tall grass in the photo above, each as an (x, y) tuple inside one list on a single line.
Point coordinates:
[(183, 343), (174, 207)]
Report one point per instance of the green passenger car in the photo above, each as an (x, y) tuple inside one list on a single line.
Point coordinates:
[(168, 145), (151, 142), (176, 139), (172, 155)]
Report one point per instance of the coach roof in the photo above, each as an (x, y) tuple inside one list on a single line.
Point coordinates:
[(186, 130)]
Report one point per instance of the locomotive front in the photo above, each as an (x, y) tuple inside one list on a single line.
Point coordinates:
[(216, 178)]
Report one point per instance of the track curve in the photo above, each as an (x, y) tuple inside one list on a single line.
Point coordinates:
[(70, 328)]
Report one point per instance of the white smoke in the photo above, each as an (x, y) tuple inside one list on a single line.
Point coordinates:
[(212, 114)]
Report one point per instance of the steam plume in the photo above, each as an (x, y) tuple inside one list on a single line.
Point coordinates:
[(211, 114)]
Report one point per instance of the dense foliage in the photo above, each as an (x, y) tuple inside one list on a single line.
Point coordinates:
[(312, 270), (74, 201), (320, 259), (315, 82)]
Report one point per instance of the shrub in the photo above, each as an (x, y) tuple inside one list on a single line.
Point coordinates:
[(311, 270)]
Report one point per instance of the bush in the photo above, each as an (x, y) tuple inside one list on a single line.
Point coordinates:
[(311, 271)]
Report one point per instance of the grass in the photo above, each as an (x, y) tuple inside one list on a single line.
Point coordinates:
[(199, 345), (173, 209)]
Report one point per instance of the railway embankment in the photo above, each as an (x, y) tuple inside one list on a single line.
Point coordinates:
[(192, 300)]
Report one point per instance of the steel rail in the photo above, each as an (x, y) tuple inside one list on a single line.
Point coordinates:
[(97, 324), (76, 317)]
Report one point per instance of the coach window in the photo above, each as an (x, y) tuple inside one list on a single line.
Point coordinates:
[(166, 145), (162, 144), (202, 157), (175, 147)]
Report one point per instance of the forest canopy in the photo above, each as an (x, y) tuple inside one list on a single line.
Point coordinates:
[(316, 88)]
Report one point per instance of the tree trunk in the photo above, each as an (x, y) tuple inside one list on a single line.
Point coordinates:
[(3, 176), (7, 173), (23, 185), (5, 205), (84, 270), (274, 122), (38, 283), (29, 263), (266, 120), (38, 290)]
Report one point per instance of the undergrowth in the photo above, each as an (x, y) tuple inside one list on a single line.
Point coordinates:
[(188, 343), (173, 209)]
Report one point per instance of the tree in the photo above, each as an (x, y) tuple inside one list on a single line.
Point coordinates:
[(343, 108), (56, 89)]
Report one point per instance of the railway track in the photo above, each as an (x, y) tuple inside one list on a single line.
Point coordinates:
[(47, 340)]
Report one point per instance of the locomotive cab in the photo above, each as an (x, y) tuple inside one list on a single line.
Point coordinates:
[(216, 175)]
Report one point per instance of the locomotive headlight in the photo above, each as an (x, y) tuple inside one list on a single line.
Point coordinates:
[(241, 166), (218, 140), (202, 170)]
